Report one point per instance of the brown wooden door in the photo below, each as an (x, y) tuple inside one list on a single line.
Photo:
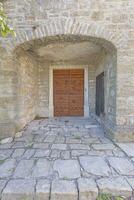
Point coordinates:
[(68, 92)]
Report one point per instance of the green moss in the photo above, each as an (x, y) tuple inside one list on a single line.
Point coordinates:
[(29, 145), (65, 178), (109, 197), (2, 161), (77, 137), (119, 198), (25, 198), (104, 197)]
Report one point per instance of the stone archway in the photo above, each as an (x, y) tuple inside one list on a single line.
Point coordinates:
[(102, 59), (65, 27), (60, 31)]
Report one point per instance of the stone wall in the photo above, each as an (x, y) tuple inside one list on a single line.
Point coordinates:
[(8, 91), (108, 66), (27, 88), (43, 90), (91, 89), (111, 20)]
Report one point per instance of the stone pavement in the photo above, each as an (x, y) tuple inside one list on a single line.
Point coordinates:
[(65, 159)]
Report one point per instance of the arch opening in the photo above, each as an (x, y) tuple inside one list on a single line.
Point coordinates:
[(36, 61)]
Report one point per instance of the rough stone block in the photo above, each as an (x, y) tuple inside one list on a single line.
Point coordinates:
[(42, 153), (131, 182), (67, 169), (100, 147), (43, 168), (41, 146), (122, 165), (2, 184), (19, 190), (62, 189), (116, 186), (18, 153), (87, 189), (24, 169), (128, 148), (28, 153), (79, 146), (43, 190), (6, 140), (95, 165), (59, 146), (5, 153), (7, 167)]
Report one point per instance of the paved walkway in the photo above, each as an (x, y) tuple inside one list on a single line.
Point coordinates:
[(65, 159)]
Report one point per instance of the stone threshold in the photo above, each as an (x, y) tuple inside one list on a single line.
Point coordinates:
[(79, 189)]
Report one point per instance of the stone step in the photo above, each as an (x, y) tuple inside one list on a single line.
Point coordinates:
[(82, 188)]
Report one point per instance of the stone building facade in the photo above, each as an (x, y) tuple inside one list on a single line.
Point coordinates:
[(96, 36)]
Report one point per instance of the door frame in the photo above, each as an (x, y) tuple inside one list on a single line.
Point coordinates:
[(51, 97)]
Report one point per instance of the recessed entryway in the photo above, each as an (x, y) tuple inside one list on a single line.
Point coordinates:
[(66, 82), (68, 92)]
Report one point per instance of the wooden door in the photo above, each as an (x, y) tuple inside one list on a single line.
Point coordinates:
[(68, 92)]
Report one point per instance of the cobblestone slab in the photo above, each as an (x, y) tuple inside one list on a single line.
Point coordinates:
[(28, 153), (17, 145), (90, 140), (79, 146), (59, 146), (19, 190), (6, 146), (18, 153), (62, 189), (116, 186), (7, 167), (56, 159), (65, 155), (24, 169), (2, 184), (80, 152), (103, 146), (42, 153), (43, 190), (55, 154), (131, 182), (6, 153), (41, 146), (67, 169), (128, 148), (95, 165), (122, 165), (87, 189), (42, 168), (6, 140)]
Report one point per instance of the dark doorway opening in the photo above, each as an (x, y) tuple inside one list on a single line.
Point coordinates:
[(100, 94)]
